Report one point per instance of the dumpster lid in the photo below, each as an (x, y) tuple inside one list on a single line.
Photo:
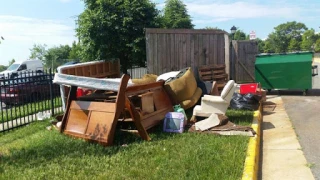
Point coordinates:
[(284, 57)]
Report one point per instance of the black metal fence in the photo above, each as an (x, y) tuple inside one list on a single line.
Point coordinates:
[(27, 97)]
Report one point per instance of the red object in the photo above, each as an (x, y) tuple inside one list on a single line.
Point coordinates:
[(249, 88), (80, 92)]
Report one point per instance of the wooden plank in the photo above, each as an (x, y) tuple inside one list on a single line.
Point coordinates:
[(155, 54), (172, 54), (215, 50), (201, 52), (184, 51), (181, 64), (137, 120), (235, 47), (155, 118), (168, 53), (176, 52), (137, 89), (204, 49), (183, 31), (149, 52), (99, 127), (179, 52), (159, 54), (188, 50), (147, 104), (211, 51), (193, 50), (72, 96), (210, 67)]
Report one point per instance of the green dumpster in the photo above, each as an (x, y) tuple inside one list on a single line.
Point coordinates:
[(285, 71)]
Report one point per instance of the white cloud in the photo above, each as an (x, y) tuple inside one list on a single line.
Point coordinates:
[(239, 10), (21, 33), (28, 29)]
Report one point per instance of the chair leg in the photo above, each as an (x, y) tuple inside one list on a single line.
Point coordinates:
[(193, 119)]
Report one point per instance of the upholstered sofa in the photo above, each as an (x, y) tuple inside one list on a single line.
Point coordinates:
[(183, 89)]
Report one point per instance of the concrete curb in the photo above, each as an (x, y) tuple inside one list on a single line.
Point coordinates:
[(251, 165), (316, 60)]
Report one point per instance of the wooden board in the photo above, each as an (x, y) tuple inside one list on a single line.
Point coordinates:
[(91, 120), (214, 72)]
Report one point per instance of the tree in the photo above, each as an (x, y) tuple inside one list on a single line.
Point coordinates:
[(213, 28), (3, 68), (11, 62), (294, 45), (56, 56), (261, 45), (281, 37), (176, 15), (38, 51), (75, 51), (308, 40), (317, 46), (52, 57), (110, 29), (240, 35), (268, 47)]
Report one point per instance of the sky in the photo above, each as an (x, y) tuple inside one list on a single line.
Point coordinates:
[(24, 23)]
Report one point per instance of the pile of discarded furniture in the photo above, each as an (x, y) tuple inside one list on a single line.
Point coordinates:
[(144, 102)]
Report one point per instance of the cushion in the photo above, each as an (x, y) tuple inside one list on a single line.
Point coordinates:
[(186, 104), (147, 78), (227, 88), (167, 75), (182, 88)]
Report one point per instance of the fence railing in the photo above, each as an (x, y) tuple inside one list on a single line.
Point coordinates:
[(137, 72), (25, 95)]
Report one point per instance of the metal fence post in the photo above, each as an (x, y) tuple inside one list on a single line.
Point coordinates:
[(51, 93)]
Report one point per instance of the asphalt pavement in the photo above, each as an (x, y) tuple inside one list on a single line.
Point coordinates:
[(304, 113)]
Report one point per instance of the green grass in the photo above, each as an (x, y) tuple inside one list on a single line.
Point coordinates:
[(28, 109), (240, 117), (33, 152)]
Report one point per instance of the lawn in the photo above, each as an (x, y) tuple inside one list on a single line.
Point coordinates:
[(19, 111), (33, 152)]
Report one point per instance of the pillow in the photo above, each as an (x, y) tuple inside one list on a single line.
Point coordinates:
[(167, 75), (182, 88)]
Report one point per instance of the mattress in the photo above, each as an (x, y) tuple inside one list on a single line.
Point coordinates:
[(111, 84)]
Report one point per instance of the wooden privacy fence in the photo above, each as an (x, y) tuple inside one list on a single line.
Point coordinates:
[(174, 49), (242, 61)]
